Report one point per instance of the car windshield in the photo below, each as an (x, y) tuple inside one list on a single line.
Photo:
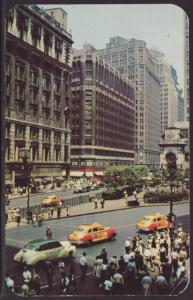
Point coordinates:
[(146, 219), (79, 229), (30, 247)]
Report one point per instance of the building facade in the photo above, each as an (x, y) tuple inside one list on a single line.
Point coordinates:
[(102, 115), (186, 68), (37, 93), (173, 144), (169, 90), (132, 59)]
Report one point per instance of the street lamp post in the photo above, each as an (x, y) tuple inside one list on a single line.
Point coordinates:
[(24, 156), (172, 169)]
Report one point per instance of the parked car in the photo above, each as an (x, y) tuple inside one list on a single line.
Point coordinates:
[(53, 200), (87, 234), (153, 222), (39, 251), (82, 186)]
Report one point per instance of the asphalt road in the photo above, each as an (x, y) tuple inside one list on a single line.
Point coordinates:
[(124, 221)]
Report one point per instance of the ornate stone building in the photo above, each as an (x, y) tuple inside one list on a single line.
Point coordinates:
[(38, 92), (102, 115)]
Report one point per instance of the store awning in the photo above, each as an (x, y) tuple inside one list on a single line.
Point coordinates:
[(89, 174), (48, 179), (76, 174), (99, 173), (59, 178), (8, 182)]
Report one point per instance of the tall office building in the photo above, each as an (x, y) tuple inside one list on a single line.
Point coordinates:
[(37, 93), (186, 68), (132, 58), (102, 115), (169, 90)]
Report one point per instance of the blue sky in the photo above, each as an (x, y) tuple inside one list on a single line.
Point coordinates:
[(160, 25)]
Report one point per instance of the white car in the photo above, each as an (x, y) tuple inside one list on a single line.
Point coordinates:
[(38, 251)]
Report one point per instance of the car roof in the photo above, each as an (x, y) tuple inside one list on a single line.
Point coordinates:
[(153, 216), (41, 242), (90, 225)]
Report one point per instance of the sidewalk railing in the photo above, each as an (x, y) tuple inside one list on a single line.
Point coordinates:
[(71, 201)]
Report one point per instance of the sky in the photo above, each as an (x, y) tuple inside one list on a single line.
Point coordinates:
[(160, 26)]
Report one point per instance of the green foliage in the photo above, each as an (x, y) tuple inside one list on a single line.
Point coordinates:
[(125, 175)]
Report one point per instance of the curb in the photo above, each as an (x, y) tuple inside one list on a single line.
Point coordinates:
[(116, 209), (105, 211)]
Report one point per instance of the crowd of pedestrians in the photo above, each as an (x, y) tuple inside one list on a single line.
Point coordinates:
[(156, 266), (153, 266)]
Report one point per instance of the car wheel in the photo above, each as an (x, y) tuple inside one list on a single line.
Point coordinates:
[(71, 254), (89, 243), (112, 238)]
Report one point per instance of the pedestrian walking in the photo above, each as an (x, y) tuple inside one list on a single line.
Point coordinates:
[(26, 275), (58, 211), (128, 245), (49, 270), (65, 282), (95, 202), (102, 201), (107, 286), (161, 285), (83, 265), (67, 210), (49, 233), (118, 282), (9, 280), (52, 211), (103, 256), (135, 195), (126, 197), (73, 285), (18, 218), (91, 197), (29, 216), (146, 284), (61, 265), (34, 219)]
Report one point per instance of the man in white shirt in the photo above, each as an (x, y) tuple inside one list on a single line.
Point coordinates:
[(83, 265), (9, 282), (107, 286), (26, 275)]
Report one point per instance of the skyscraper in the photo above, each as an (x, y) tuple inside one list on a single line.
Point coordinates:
[(102, 114), (168, 90), (132, 58)]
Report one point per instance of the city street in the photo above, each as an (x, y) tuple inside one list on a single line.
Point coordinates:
[(123, 220)]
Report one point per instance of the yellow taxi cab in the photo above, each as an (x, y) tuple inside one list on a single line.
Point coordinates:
[(153, 222), (86, 234), (51, 200)]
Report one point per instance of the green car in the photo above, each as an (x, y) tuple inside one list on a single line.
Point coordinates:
[(39, 251)]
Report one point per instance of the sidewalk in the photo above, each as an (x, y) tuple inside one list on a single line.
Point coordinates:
[(88, 209)]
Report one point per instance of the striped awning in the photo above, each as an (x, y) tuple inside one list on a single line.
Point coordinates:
[(76, 174), (89, 174)]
